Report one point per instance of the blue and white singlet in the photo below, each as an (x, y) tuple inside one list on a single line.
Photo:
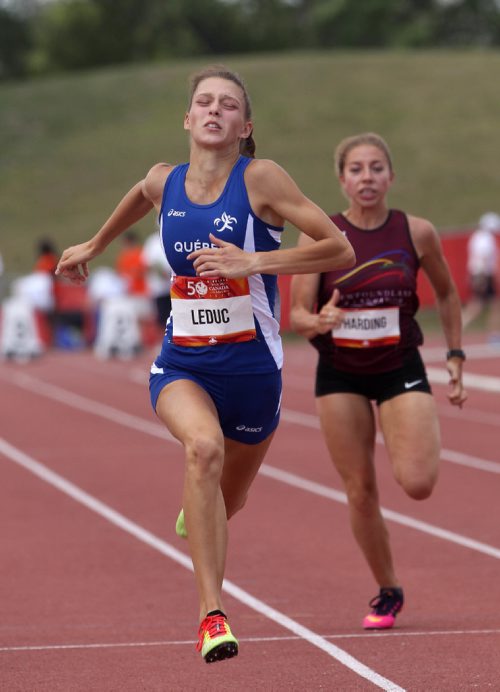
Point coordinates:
[(195, 338)]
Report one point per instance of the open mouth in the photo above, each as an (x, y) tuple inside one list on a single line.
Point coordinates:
[(367, 192)]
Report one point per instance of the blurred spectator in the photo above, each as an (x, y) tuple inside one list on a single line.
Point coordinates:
[(158, 276), (130, 264), (46, 256), (104, 283), (482, 267), (68, 321), (132, 269), (36, 289), (36, 292)]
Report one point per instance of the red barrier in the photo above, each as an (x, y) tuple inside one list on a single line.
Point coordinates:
[(455, 251), (72, 307)]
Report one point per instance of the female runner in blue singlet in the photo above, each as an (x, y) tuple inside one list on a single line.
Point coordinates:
[(216, 383), (362, 323)]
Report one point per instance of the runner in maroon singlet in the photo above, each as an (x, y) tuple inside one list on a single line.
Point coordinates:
[(362, 322)]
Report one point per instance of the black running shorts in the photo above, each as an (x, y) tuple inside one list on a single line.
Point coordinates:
[(377, 386)]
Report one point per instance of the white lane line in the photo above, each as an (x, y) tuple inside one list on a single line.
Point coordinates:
[(485, 383), (295, 417), (148, 538), (473, 351), (98, 645), (251, 640), (398, 518), (310, 421), (83, 403), (468, 460)]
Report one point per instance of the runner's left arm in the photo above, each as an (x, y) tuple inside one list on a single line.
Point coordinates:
[(435, 266)]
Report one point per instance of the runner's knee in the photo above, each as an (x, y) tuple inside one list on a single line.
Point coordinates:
[(204, 456), (362, 496), (419, 487)]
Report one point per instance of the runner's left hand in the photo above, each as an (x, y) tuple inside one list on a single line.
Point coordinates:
[(73, 263), (457, 395), (226, 260)]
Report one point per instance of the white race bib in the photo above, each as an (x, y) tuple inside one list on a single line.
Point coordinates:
[(210, 311), (366, 328)]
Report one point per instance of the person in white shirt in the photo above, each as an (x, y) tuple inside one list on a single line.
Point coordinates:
[(482, 263), (159, 274)]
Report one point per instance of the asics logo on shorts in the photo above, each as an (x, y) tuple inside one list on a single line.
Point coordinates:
[(226, 221), (250, 430)]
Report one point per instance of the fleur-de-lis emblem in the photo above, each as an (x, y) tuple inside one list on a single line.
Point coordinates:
[(226, 222)]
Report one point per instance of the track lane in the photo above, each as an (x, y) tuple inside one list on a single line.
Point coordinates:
[(302, 549)]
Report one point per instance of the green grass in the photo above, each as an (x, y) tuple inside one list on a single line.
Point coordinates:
[(71, 146)]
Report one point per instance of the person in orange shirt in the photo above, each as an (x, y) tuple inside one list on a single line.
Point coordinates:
[(46, 257), (130, 265)]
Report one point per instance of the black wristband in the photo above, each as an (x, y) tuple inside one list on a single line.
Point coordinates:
[(455, 353)]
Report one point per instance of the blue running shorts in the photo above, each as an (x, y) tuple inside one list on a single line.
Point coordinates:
[(248, 405)]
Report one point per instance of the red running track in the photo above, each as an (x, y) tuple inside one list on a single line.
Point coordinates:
[(97, 592)]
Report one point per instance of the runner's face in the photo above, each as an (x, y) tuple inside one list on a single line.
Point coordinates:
[(367, 176), (216, 117)]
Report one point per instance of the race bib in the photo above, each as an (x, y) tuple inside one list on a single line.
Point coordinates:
[(367, 328), (211, 311)]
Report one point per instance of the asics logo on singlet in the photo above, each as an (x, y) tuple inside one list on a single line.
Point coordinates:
[(244, 427), (174, 212), (225, 222)]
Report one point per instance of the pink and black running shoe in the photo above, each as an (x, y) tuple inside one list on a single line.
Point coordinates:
[(385, 607)]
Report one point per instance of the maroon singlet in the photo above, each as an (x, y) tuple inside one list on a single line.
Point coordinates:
[(379, 296)]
